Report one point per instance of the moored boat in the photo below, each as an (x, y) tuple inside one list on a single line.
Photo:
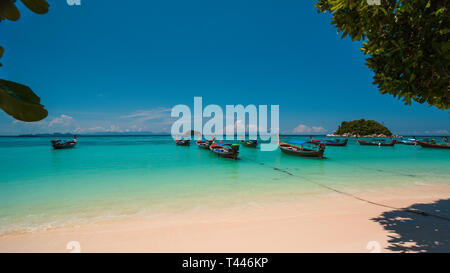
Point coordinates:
[(317, 151), (249, 143), (225, 150), (330, 142), (204, 144), (433, 145), (183, 142), (375, 142), (59, 144), (412, 141)]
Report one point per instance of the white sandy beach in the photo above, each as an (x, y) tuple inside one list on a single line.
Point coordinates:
[(333, 223)]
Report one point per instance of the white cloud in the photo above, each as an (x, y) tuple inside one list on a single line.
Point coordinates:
[(106, 129), (239, 125), (436, 132), (154, 120), (442, 132), (63, 120), (144, 115), (302, 129)]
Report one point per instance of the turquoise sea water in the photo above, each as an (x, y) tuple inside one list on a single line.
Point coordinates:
[(128, 176)]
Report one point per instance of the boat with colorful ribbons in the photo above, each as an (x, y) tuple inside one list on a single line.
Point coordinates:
[(330, 141), (204, 144), (183, 142), (226, 150), (295, 147), (59, 144), (250, 143)]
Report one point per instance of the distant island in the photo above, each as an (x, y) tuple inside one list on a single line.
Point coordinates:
[(362, 128)]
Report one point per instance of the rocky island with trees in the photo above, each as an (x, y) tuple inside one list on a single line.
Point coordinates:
[(362, 128)]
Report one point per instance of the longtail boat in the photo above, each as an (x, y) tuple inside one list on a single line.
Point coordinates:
[(225, 150), (412, 141), (299, 150), (204, 144), (249, 143), (59, 144), (375, 142), (330, 142), (433, 145), (183, 142)]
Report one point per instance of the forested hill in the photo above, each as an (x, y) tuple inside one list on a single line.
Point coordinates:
[(362, 127)]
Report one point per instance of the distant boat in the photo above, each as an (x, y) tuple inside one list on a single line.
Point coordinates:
[(412, 141), (433, 145), (204, 143), (375, 142), (249, 143), (225, 150), (59, 144), (183, 142), (299, 150), (330, 142)]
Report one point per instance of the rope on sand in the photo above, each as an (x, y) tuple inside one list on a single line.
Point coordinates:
[(415, 211)]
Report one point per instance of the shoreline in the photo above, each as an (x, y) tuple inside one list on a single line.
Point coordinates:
[(329, 223)]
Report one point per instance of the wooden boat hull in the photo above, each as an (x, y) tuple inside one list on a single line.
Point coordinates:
[(225, 150), (369, 143), (328, 143), (303, 152), (251, 144), (225, 153), (204, 145), (336, 144), (300, 151), (60, 146), (406, 142), (433, 145), (183, 142)]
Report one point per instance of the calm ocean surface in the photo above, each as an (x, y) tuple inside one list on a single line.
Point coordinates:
[(130, 176)]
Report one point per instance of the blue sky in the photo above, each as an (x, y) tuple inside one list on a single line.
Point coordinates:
[(115, 66)]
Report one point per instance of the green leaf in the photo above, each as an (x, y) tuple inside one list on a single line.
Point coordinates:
[(9, 11), (20, 102), (37, 6), (406, 44)]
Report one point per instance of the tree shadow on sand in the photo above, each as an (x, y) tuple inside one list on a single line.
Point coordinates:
[(412, 232)]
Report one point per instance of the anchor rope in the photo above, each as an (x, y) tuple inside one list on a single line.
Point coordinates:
[(415, 211), (380, 170)]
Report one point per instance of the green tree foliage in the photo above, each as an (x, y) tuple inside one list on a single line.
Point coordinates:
[(9, 11), (407, 42), (362, 127), (18, 100)]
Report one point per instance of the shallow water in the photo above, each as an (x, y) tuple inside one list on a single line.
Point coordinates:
[(148, 175)]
